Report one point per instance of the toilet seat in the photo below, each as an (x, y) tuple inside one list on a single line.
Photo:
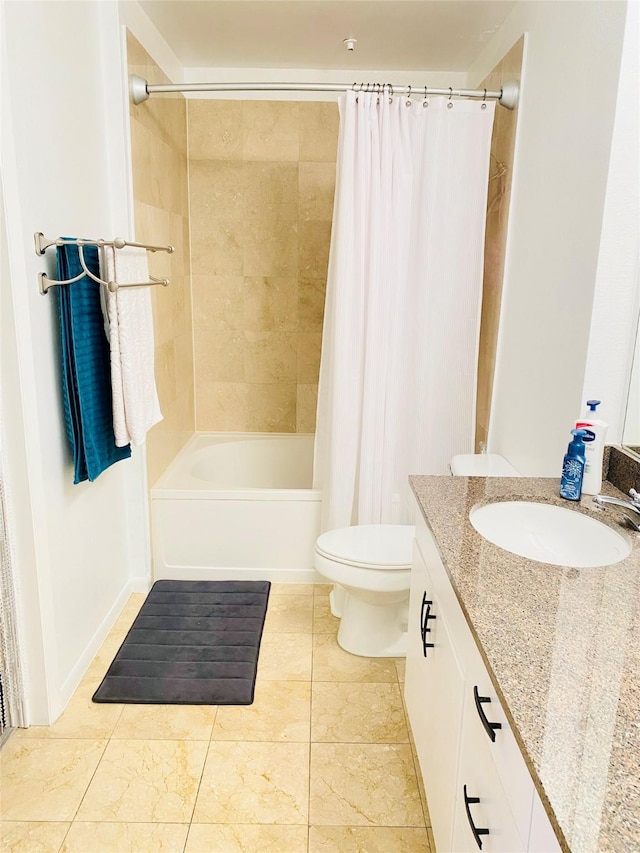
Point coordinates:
[(381, 547)]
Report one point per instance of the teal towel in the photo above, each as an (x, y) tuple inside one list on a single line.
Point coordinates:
[(86, 371)]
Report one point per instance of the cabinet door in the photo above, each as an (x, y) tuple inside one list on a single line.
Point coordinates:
[(434, 688), (542, 838), (483, 818)]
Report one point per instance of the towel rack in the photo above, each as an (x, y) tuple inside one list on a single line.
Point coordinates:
[(43, 243)]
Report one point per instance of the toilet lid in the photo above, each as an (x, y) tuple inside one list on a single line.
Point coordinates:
[(482, 465), (380, 546)]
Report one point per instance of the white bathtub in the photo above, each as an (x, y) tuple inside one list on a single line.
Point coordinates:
[(237, 506)]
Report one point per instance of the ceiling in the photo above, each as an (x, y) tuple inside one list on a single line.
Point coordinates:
[(433, 35)]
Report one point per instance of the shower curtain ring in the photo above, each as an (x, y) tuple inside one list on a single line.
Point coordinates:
[(425, 103), (483, 105), (408, 102), (390, 92), (450, 103)]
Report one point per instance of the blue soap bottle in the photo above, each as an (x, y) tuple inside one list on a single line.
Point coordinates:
[(573, 467)]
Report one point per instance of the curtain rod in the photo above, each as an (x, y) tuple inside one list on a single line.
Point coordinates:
[(140, 90)]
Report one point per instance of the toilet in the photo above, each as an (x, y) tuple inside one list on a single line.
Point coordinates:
[(370, 567), (371, 563)]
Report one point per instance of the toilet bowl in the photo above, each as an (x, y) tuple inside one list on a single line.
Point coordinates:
[(371, 563), (370, 567)]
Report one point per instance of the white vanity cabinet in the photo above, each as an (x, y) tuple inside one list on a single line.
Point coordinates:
[(434, 691), (480, 793)]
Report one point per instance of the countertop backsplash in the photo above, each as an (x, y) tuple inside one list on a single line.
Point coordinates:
[(621, 468)]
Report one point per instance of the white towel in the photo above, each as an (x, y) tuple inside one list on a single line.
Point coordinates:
[(135, 399)]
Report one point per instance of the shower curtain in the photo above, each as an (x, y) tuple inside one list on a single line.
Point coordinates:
[(399, 356)]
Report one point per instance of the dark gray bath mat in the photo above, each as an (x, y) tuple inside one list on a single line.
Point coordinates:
[(192, 643)]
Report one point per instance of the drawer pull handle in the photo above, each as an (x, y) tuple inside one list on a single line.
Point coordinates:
[(490, 728), (476, 831), (425, 615)]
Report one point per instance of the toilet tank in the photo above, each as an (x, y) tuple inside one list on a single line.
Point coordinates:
[(482, 465)]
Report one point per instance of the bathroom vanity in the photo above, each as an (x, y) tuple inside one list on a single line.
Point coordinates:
[(522, 681)]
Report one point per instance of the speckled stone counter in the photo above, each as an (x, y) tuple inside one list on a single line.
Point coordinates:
[(562, 646)]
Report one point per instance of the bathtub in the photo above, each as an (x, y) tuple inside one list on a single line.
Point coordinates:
[(237, 506)]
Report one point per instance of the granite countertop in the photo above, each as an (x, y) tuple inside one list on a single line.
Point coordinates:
[(562, 646)]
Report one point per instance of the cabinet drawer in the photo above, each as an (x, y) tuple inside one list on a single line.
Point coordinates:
[(434, 689), (483, 818), (503, 751)]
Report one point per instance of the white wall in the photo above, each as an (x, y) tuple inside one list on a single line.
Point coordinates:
[(64, 172), (569, 85), (614, 323)]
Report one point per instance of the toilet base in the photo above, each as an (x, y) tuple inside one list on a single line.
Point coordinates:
[(376, 630)]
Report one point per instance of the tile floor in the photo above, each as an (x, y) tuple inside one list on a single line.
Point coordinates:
[(322, 761)]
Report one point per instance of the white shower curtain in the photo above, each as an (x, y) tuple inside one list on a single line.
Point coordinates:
[(400, 343)]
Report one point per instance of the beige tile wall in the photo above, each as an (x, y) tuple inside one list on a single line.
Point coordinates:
[(261, 177), (160, 185), (500, 177)]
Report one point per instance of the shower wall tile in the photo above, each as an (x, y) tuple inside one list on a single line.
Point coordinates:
[(270, 192), (313, 249), (306, 404), (272, 249), (271, 407), (216, 248), (218, 302), (220, 403), (319, 124), (500, 176), (219, 354), (215, 130), (311, 296), (308, 349), (161, 209), (270, 357), (270, 130), (261, 177), (270, 304), (316, 184)]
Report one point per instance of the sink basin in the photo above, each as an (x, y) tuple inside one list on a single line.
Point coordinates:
[(550, 534)]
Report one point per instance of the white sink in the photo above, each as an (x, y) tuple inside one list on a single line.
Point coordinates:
[(550, 534)]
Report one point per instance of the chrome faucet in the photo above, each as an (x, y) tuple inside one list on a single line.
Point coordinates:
[(633, 505)]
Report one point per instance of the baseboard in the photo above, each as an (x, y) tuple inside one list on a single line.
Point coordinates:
[(76, 675), (222, 573)]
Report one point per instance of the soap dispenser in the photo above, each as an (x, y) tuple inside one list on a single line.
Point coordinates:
[(573, 467), (594, 448)]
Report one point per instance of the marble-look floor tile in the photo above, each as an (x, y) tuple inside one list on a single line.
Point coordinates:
[(32, 836), (145, 780), (401, 664), (82, 718), (285, 657), (331, 663), (292, 588), (324, 622), (106, 653), (125, 837), (289, 614), (344, 712), (432, 841), (166, 722), (46, 779), (372, 839), (322, 588), (248, 782), (280, 712), (364, 785), (246, 838)]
